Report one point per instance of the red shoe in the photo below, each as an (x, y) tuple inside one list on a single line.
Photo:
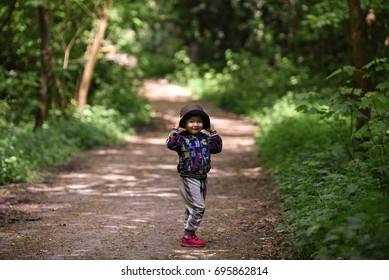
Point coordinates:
[(192, 241)]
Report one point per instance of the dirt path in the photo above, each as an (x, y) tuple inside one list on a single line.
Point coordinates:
[(123, 202)]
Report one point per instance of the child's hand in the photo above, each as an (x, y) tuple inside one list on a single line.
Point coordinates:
[(176, 124), (211, 128)]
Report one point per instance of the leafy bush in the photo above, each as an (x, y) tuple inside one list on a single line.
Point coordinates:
[(115, 87), (249, 84), (96, 126), (155, 65), (23, 152), (332, 202), (17, 92), (13, 167)]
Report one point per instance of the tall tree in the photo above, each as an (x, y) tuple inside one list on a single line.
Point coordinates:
[(43, 16), (83, 90), (359, 41)]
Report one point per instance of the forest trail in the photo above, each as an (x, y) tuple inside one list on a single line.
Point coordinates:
[(123, 202)]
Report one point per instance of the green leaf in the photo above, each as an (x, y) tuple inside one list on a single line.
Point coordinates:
[(312, 230), (302, 108), (365, 103), (333, 74), (352, 189), (349, 70), (280, 227), (360, 132), (383, 86), (327, 196), (357, 91), (367, 66), (383, 101)]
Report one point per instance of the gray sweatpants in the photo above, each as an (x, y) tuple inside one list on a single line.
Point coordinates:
[(193, 191)]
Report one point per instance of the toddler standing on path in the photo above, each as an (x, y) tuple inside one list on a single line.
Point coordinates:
[(194, 149)]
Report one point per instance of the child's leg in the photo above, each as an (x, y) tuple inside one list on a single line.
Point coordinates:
[(193, 191)]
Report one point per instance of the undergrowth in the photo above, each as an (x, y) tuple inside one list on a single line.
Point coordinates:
[(24, 152), (333, 204)]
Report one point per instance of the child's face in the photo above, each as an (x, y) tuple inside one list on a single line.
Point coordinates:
[(194, 124)]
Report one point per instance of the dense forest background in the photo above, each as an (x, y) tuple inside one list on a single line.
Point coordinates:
[(314, 76)]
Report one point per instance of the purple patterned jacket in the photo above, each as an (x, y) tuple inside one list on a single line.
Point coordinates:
[(194, 151)]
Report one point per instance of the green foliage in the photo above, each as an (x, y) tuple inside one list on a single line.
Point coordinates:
[(13, 168), (347, 102), (19, 90), (246, 85), (45, 147), (145, 30), (283, 122), (212, 27), (333, 204), (95, 126), (155, 65), (23, 152), (115, 87), (331, 188), (185, 71), (325, 13)]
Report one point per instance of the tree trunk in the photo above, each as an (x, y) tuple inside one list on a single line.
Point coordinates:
[(83, 90), (359, 41), (44, 70), (292, 26), (8, 16), (60, 96)]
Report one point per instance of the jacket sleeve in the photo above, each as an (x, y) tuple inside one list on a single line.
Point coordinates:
[(215, 142), (174, 141)]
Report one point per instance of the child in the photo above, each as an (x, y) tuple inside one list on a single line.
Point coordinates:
[(194, 149)]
